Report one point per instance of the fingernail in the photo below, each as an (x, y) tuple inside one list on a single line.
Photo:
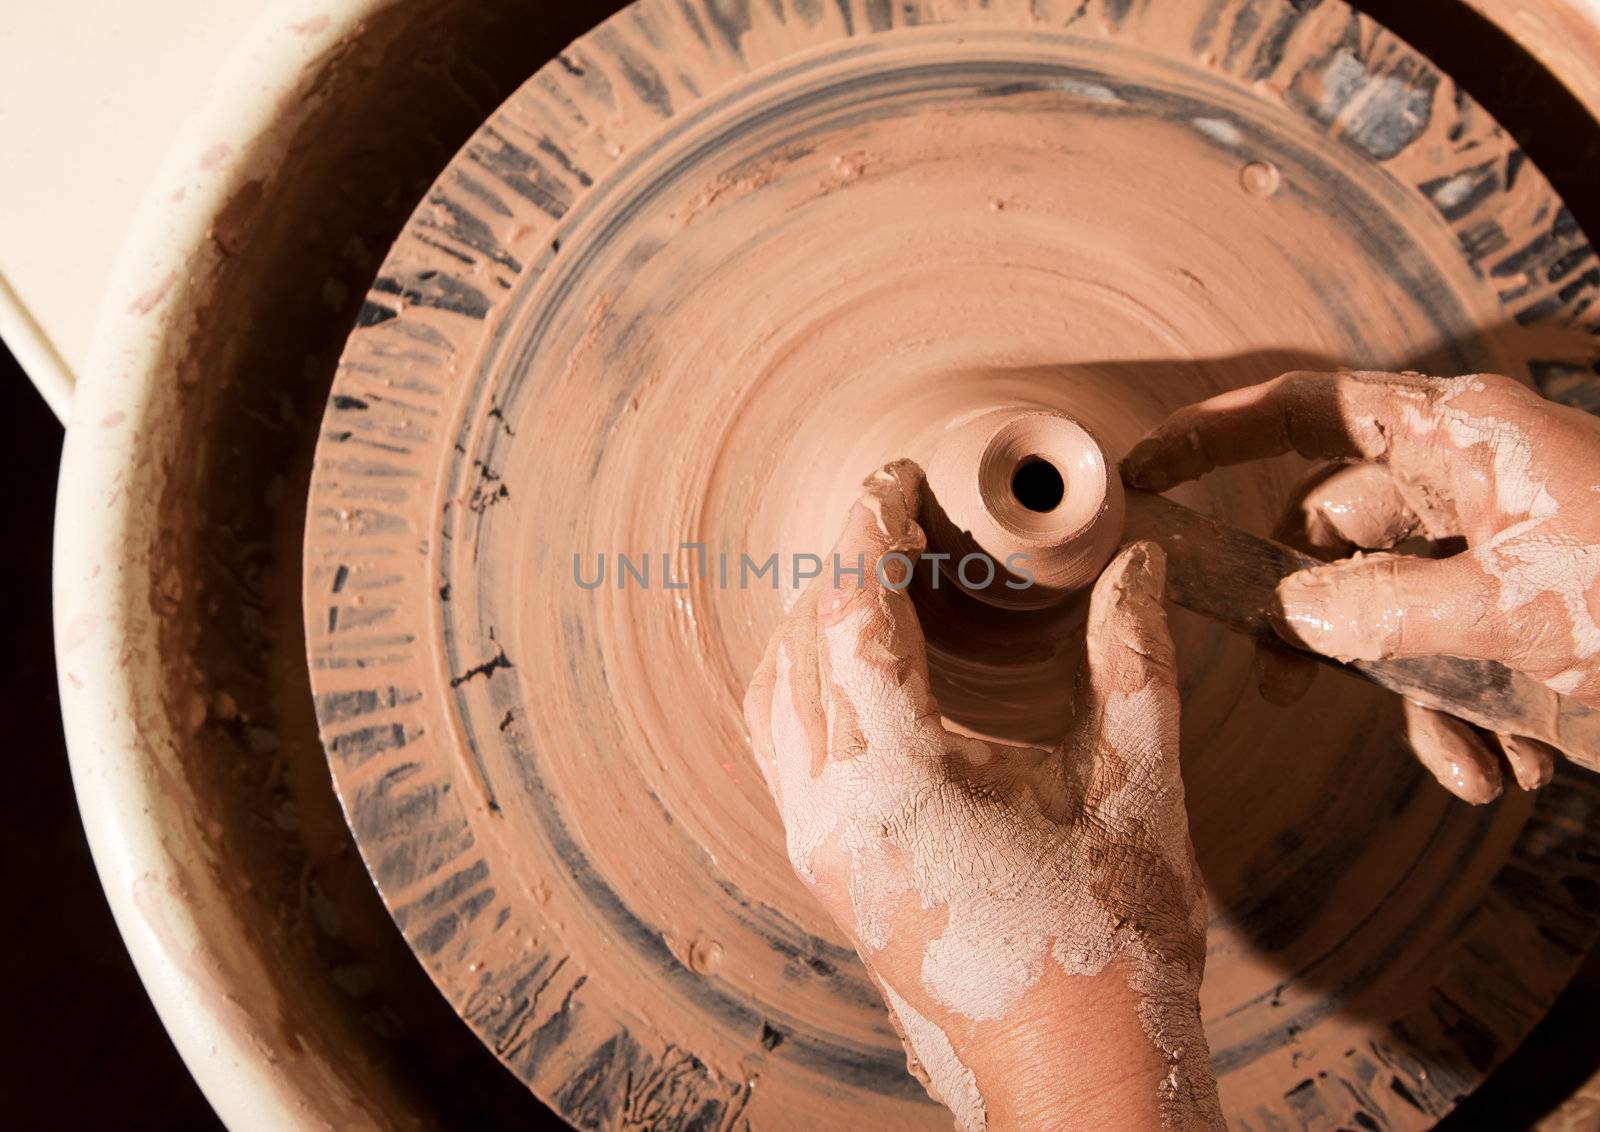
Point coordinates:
[(1475, 783), (1138, 568), (902, 477), (1453, 753), (1141, 469), (1310, 615), (1152, 560), (1532, 762)]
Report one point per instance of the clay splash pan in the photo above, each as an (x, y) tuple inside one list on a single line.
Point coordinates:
[(695, 279)]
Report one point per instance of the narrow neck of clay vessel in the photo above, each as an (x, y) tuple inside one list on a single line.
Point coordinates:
[(1032, 490)]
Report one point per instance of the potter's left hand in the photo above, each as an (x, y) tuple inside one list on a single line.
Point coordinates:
[(1034, 918)]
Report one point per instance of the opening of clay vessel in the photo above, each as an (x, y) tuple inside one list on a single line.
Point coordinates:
[(1037, 484)]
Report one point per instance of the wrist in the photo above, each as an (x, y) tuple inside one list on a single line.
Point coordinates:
[(1086, 1051)]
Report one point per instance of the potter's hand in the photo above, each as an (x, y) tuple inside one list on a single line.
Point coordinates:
[(1034, 918), (1480, 457)]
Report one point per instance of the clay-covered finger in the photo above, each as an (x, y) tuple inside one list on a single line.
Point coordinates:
[(1381, 606), (791, 739), (1342, 415), (781, 701), (881, 542), (1320, 521), (758, 712), (1453, 753), (1129, 689), (1532, 762), (1358, 506)]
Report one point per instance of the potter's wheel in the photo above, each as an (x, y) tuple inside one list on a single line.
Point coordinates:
[(704, 272)]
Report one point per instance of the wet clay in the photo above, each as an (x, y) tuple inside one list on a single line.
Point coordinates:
[(672, 304), (1481, 459), (1030, 489), (962, 869)]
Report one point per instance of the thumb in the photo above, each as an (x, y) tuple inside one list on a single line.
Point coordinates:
[(873, 654), (1130, 667), (879, 547), (1383, 606)]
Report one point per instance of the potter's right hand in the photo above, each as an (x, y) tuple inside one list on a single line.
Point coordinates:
[(1034, 918), (1481, 458)]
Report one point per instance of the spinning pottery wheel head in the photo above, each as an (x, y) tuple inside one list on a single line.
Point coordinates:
[(712, 266)]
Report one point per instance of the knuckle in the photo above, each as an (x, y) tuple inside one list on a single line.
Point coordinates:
[(1500, 388)]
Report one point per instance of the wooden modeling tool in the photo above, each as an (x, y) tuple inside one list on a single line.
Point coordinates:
[(1031, 481), (1231, 576)]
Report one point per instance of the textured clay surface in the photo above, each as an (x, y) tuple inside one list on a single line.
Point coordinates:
[(706, 271)]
